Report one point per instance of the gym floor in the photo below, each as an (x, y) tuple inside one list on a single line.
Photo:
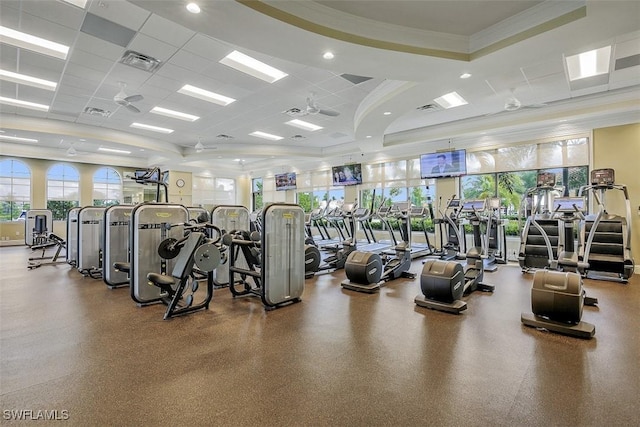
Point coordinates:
[(69, 344)]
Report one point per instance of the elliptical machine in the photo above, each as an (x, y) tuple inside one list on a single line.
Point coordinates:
[(443, 283), (368, 271)]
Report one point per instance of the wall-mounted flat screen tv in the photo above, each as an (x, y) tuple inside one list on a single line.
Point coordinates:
[(347, 174), (286, 181), (443, 164)]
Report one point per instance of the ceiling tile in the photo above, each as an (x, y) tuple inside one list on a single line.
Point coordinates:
[(96, 46), (89, 60), (72, 84), (207, 47), (166, 31), (83, 72), (190, 61), (42, 28), (55, 11), (122, 12), (152, 47)]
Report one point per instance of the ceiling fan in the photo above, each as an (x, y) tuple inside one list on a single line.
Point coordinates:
[(512, 103), (312, 108), (125, 100)]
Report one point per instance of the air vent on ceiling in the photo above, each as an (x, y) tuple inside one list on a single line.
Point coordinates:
[(97, 112), (627, 62), (429, 107), (298, 137), (293, 112), (223, 136), (140, 61), (355, 79)]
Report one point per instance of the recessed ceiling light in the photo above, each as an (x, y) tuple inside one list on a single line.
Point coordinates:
[(17, 138), (465, 75), (253, 67), (193, 8), (27, 80), (205, 95), (113, 150), (37, 44), (24, 104), (387, 113), (174, 114), (589, 64), (151, 128), (328, 55), (265, 135), (301, 124), (450, 100), (368, 136)]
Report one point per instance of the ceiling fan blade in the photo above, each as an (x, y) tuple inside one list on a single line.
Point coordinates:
[(330, 113), (132, 108), (134, 98)]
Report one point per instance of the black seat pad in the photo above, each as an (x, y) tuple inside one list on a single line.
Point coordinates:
[(160, 280), (125, 267)]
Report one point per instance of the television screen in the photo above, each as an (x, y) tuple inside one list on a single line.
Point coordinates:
[(443, 164), (286, 181), (347, 174)]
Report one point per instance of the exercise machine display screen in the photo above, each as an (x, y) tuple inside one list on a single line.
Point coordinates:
[(602, 177), (454, 203), (546, 179), (473, 205), (569, 204)]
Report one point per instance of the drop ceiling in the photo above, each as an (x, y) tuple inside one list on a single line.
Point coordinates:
[(390, 56)]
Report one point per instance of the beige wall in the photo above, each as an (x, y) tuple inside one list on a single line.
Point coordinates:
[(618, 147)]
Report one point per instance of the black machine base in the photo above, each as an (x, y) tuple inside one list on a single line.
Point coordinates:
[(580, 330), (455, 307), (358, 287)]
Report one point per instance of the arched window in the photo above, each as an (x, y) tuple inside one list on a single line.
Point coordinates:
[(63, 190), (107, 187), (15, 190)]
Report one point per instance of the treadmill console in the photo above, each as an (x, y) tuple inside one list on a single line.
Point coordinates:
[(416, 211), (361, 212), (453, 204), (477, 205), (569, 204), (546, 179), (603, 177)]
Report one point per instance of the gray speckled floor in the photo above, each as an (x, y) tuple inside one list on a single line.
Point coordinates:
[(69, 343)]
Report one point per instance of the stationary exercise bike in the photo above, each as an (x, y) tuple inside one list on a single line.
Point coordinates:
[(443, 283)]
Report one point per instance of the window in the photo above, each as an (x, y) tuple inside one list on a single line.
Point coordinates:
[(63, 185), (256, 193), (15, 189), (208, 191), (107, 187)]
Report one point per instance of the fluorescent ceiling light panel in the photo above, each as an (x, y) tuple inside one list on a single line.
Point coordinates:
[(174, 114), (205, 95), (27, 80), (27, 41), (17, 138), (450, 100), (303, 125), (80, 3), (589, 64), (265, 135), (151, 128), (113, 150), (23, 104), (253, 67)]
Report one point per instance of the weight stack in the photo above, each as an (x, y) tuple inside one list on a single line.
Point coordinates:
[(442, 280), (363, 267), (557, 296)]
